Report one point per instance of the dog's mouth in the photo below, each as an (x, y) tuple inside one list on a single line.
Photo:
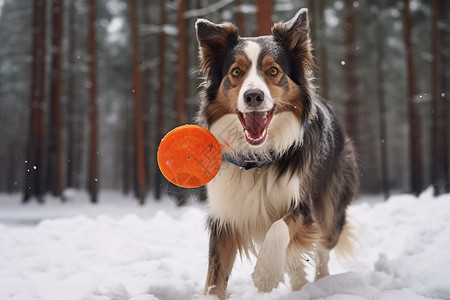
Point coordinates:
[(255, 125)]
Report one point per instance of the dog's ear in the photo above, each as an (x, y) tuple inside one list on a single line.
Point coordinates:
[(213, 40), (294, 36)]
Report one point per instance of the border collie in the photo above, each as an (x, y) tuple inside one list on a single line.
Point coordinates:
[(288, 171)]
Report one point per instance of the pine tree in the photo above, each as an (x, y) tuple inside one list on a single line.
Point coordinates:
[(413, 117), (264, 16), (137, 94), (351, 101), (34, 166), (161, 87), (181, 74), (93, 175), (55, 180)]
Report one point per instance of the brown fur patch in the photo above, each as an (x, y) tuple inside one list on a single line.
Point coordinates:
[(296, 38), (223, 245), (213, 38), (285, 93), (227, 97), (303, 231)]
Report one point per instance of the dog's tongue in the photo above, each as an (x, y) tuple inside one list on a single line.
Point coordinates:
[(255, 125)]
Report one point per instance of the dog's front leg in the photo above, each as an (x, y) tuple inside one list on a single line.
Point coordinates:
[(223, 245), (270, 265), (269, 269)]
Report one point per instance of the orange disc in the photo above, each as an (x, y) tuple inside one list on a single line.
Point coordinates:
[(189, 156)]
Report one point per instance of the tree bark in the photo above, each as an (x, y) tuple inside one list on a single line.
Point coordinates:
[(34, 167), (55, 178), (147, 94), (137, 94), (444, 96), (435, 155), (324, 89), (414, 125), (181, 76), (351, 102), (73, 167), (161, 87), (264, 16), (92, 91), (312, 24), (382, 109), (240, 18)]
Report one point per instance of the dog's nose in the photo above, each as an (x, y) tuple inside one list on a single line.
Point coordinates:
[(254, 97)]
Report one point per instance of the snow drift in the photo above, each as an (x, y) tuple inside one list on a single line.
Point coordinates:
[(119, 250)]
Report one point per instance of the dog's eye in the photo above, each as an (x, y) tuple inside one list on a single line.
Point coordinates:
[(273, 71), (235, 72)]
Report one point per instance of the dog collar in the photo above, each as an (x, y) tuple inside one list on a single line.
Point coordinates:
[(253, 163), (248, 164)]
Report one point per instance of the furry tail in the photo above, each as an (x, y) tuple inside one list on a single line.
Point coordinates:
[(349, 241)]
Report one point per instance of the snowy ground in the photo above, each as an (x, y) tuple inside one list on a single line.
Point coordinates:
[(119, 250)]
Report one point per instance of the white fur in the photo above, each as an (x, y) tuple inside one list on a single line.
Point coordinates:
[(254, 81), (251, 200), (270, 266)]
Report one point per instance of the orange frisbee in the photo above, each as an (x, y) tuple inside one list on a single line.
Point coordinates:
[(189, 156)]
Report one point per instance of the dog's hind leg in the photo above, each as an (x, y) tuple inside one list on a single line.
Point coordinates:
[(323, 255), (298, 276), (223, 245)]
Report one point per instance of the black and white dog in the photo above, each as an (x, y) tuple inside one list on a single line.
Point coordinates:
[(289, 171)]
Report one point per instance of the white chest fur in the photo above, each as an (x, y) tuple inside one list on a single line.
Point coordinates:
[(251, 200)]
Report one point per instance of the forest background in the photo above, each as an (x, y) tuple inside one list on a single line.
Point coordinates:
[(88, 88)]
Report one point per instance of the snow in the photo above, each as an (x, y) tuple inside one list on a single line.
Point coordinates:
[(121, 250)]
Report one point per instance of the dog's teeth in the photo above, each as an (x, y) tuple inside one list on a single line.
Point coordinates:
[(258, 139)]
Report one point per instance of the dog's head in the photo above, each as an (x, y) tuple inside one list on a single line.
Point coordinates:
[(257, 91)]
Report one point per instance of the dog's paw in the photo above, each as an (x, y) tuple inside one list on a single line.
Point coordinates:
[(269, 269), (268, 275)]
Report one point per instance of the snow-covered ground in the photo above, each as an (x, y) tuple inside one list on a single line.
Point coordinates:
[(119, 250)]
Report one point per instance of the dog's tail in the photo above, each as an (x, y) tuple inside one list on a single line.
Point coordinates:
[(349, 242)]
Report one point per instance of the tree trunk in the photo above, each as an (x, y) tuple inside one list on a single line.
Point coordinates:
[(382, 109), (444, 97), (324, 89), (264, 16), (414, 126), (312, 24), (34, 167), (137, 87), (181, 77), (73, 166), (161, 86), (92, 90), (435, 155), (55, 180), (147, 94), (351, 102), (240, 18)]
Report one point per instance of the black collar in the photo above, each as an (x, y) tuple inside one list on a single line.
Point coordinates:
[(248, 164), (254, 162)]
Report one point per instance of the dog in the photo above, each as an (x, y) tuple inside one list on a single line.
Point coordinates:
[(289, 171)]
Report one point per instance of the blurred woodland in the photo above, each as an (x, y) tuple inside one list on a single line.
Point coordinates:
[(88, 88)]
